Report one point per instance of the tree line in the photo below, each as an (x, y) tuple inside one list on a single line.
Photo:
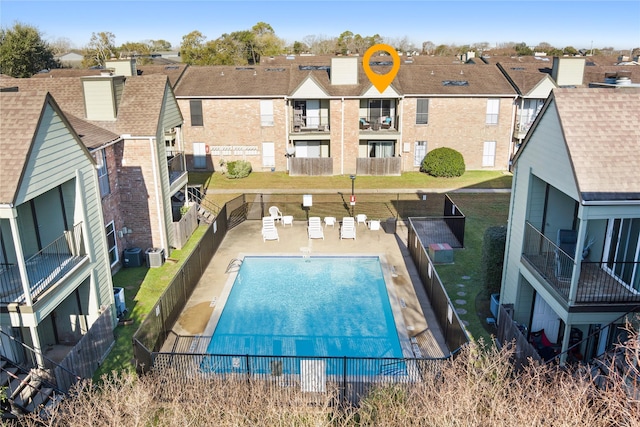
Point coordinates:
[(24, 52)]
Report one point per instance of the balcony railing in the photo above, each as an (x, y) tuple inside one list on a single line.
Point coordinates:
[(309, 124), (176, 166), (596, 283), (44, 268)]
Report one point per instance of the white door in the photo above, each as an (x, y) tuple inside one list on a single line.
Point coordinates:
[(199, 155), (489, 154), (308, 149), (313, 113), (545, 318), (268, 155)]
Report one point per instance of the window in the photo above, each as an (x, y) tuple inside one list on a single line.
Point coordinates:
[(419, 152), (268, 155), (422, 112), (493, 107), (112, 244), (196, 113), (266, 112), (103, 172), (622, 251), (380, 148), (489, 154)]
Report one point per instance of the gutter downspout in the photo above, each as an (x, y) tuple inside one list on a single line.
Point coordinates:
[(513, 127), (154, 168)]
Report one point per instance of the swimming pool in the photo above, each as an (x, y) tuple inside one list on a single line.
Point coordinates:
[(321, 306)]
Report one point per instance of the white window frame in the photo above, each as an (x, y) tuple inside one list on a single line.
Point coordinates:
[(423, 114), (266, 112), (103, 172), (110, 230), (419, 152), (268, 155), (489, 154), (493, 110)]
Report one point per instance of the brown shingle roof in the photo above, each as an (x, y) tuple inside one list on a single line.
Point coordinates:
[(525, 75), (601, 128), (282, 80), (138, 113), (18, 125), (141, 105)]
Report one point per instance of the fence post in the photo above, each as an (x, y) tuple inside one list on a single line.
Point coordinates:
[(344, 380)]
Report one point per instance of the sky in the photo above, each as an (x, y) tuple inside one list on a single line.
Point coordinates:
[(581, 24)]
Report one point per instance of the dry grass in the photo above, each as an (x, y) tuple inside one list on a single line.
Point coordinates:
[(479, 388)]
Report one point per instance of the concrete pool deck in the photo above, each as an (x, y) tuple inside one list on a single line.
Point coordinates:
[(246, 238)]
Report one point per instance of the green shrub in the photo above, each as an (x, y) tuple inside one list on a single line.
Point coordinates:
[(238, 169), (443, 162), (493, 257)]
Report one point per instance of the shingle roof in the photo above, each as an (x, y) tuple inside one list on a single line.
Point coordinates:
[(138, 113), (525, 75), (601, 128), (18, 125), (282, 80), (141, 105)]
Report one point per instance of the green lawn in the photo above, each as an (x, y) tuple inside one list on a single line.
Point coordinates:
[(143, 286)]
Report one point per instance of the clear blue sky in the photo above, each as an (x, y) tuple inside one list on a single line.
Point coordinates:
[(560, 23)]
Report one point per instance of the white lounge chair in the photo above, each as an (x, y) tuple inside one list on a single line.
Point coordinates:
[(275, 213), (269, 230), (315, 228), (348, 228), (361, 218)]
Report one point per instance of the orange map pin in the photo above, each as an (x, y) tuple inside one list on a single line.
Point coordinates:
[(381, 81)]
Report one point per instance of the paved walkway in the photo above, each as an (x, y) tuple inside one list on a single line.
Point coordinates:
[(246, 239)]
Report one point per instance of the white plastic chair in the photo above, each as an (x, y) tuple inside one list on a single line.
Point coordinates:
[(361, 218), (329, 220), (275, 213)]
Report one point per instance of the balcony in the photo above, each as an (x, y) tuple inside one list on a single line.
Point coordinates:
[(177, 171), (595, 285), (44, 269), (377, 124), (308, 124)]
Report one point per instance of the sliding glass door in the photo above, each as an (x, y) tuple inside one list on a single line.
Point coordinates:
[(622, 251)]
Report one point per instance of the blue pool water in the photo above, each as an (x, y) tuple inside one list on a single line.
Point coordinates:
[(318, 306)]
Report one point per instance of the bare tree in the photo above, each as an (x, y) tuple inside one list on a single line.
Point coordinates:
[(100, 48)]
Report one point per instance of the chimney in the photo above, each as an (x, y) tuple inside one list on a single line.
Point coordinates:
[(344, 71), (102, 95), (123, 67), (568, 70)]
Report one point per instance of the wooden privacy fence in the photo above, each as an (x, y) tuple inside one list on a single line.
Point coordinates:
[(381, 166), (319, 166), (510, 335)]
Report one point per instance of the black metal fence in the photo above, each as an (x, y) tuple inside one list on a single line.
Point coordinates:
[(454, 332), (351, 377), (155, 328)]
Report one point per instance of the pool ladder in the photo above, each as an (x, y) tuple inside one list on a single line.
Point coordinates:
[(234, 265)]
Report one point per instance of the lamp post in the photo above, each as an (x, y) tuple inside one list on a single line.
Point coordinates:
[(353, 197)]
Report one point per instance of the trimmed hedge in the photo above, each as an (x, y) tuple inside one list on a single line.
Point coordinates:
[(238, 169), (443, 162), (493, 245)]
